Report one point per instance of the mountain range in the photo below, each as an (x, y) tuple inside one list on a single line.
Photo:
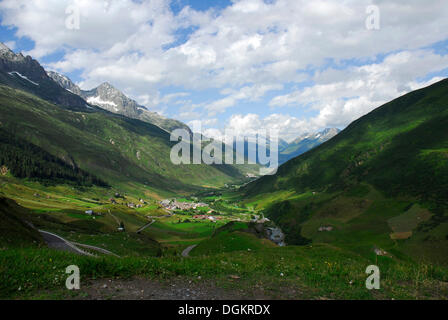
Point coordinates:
[(61, 137), (304, 143), (93, 167), (287, 150), (380, 182), (109, 98), (25, 73)]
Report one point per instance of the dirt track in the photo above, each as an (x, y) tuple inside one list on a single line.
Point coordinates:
[(177, 289)]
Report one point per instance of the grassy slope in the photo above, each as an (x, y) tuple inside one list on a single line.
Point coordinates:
[(47, 90), (14, 231), (25, 160), (129, 154), (231, 237), (377, 169), (317, 272), (293, 272), (400, 148)]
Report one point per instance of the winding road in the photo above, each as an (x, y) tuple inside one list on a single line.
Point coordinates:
[(145, 226), (56, 242), (187, 251)]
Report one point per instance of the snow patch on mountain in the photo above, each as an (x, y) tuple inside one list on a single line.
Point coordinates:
[(99, 102), (22, 76)]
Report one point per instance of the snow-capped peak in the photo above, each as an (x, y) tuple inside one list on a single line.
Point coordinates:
[(4, 48), (8, 54)]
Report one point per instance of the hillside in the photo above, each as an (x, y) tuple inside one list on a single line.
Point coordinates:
[(400, 148), (26, 160), (125, 153), (381, 181), (14, 231), (234, 236)]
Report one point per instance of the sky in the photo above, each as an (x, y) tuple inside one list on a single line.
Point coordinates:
[(293, 65)]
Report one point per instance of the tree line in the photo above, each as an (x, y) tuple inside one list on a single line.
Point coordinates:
[(26, 160)]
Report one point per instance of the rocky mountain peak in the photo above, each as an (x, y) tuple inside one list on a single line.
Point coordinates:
[(64, 82), (328, 133), (106, 85), (106, 90), (4, 48), (7, 54)]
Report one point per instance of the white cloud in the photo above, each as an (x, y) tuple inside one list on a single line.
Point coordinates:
[(250, 42), (342, 96), (11, 45), (248, 93), (249, 125), (246, 50)]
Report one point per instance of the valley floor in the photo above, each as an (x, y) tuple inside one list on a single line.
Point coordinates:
[(227, 258)]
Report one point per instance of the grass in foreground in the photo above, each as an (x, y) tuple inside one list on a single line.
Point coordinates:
[(318, 270)]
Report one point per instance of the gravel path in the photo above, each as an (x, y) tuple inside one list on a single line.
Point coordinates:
[(56, 242), (187, 251), (175, 289)]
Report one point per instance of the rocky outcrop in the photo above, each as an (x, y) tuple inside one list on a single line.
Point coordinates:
[(27, 74), (268, 230)]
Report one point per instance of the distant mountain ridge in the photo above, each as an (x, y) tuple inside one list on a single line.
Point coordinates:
[(287, 151), (305, 143), (109, 98)]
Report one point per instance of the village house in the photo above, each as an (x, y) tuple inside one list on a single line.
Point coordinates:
[(165, 203), (206, 217), (200, 216), (92, 213), (175, 205)]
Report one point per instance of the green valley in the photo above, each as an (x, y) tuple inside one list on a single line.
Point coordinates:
[(83, 186)]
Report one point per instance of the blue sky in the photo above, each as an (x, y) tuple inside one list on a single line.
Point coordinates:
[(293, 65)]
